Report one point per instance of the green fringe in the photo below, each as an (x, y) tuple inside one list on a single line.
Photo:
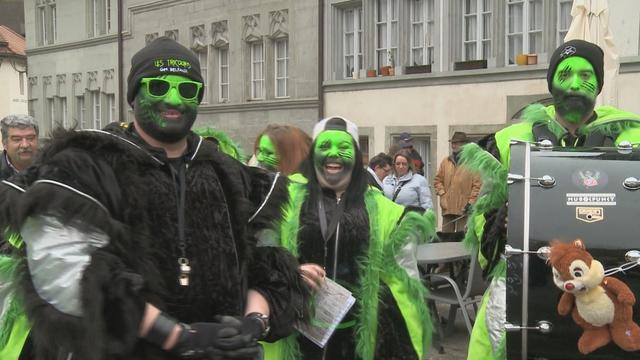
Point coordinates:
[(8, 267), (494, 192), (425, 226), (368, 293), (227, 145)]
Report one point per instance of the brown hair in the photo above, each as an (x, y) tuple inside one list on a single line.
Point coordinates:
[(291, 143), (405, 154)]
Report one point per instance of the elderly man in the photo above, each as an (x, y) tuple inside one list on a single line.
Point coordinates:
[(141, 239), (379, 167), (20, 142)]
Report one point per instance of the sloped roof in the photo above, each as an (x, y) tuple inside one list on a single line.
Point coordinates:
[(11, 42)]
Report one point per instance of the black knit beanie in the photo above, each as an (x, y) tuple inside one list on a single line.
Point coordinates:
[(163, 56), (589, 51)]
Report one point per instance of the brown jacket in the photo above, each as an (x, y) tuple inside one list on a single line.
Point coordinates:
[(456, 187)]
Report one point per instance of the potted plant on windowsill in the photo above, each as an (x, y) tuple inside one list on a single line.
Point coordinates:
[(417, 69), (371, 73), (470, 65)]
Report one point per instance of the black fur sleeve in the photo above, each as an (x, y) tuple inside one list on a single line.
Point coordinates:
[(273, 271), (112, 308)]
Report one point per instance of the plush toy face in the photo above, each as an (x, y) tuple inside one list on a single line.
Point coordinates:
[(579, 276)]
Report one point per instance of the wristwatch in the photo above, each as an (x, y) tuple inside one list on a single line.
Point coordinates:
[(264, 319)]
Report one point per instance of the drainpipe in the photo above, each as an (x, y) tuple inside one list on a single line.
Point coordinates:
[(320, 58), (120, 65)]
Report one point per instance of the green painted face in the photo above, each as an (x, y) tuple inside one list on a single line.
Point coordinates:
[(334, 158), (574, 89), (167, 109), (267, 155)]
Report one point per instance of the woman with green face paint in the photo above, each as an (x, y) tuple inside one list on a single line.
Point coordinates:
[(341, 229), (281, 148)]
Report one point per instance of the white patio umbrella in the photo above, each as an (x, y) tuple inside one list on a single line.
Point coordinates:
[(591, 23)]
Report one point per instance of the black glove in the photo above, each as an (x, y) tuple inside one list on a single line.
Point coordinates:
[(206, 340)]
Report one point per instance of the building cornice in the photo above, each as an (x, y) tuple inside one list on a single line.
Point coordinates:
[(510, 73), (99, 40), (260, 105)]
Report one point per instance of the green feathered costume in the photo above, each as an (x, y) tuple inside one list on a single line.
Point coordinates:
[(382, 280), (486, 231)]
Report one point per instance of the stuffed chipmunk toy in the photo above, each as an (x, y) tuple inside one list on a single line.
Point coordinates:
[(601, 306)]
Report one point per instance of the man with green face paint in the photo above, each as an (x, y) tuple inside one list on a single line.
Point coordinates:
[(341, 229), (134, 231), (574, 78)]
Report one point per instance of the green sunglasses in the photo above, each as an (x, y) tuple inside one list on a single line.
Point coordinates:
[(187, 89)]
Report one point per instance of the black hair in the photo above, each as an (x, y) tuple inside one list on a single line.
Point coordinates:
[(381, 160)]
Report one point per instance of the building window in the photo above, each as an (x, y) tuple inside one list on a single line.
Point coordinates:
[(282, 67), (524, 28), (386, 32), (223, 75), (352, 41), (63, 112), (111, 108), (100, 16), (54, 23), (51, 112), (564, 19), (476, 34), (257, 70), (95, 105), (46, 23), (203, 58), (31, 107), (21, 80), (422, 28), (81, 112)]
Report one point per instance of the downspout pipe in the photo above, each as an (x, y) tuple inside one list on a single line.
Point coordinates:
[(320, 59), (120, 65)]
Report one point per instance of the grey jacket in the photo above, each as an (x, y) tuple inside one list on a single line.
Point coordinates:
[(414, 190)]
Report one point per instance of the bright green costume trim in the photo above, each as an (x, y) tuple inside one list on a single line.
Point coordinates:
[(14, 326), (386, 238), (225, 143)]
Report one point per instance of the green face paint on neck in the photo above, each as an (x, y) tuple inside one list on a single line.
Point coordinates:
[(267, 155), (574, 89), (334, 158), (166, 118)]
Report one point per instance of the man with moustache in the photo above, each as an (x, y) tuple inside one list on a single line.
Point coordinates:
[(341, 228), (575, 78), (141, 239), (20, 143)]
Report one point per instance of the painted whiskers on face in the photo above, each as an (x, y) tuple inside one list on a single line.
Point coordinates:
[(334, 158), (574, 90)]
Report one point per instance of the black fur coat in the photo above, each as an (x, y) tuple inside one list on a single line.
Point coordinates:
[(141, 193)]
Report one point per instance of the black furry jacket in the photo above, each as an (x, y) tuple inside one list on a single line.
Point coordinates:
[(141, 192)]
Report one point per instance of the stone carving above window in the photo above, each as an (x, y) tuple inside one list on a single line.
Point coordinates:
[(172, 34), (33, 80), (198, 38), (150, 37), (61, 79), (108, 74), (251, 30), (77, 77), (46, 80), (279, 27), (220, 33), (92, 76)]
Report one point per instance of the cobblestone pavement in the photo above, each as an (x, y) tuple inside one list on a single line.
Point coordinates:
[(454, 345)]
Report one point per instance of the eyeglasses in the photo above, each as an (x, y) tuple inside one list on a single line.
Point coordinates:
[(187, 89)]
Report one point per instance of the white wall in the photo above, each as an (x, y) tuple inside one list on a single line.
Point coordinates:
[(11, 102)]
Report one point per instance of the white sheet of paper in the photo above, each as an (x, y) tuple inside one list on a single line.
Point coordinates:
[(332, 302)]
